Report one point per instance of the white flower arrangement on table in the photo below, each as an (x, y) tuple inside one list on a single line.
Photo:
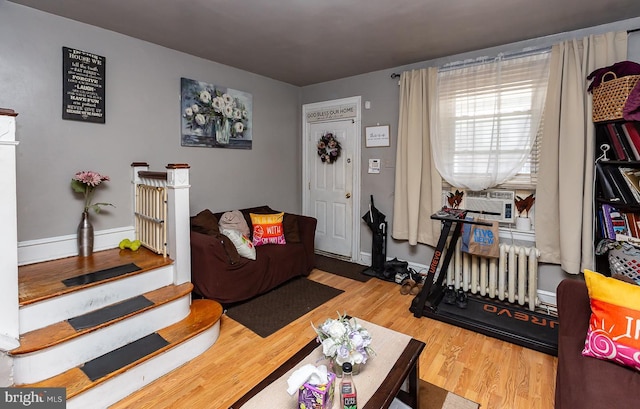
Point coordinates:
[(344, 340)]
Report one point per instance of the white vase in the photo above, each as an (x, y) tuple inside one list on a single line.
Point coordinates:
[(523, 223)]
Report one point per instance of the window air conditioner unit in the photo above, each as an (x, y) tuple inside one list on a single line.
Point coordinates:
[(492, 200)]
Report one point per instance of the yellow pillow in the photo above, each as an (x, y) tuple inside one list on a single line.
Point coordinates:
[(614, 326), (267, 229)]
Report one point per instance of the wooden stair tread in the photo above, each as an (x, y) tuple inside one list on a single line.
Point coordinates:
[(204, 314), (63, 331), (41, 281)]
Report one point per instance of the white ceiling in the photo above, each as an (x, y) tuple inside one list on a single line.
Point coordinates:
[(304, 42)]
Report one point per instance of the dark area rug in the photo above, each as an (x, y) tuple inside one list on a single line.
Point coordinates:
[(342, 268), (272, 311)]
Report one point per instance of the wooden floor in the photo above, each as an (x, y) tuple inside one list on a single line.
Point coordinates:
[(493, 373)]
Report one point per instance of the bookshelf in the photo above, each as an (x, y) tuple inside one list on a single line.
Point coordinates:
[(617, 187)]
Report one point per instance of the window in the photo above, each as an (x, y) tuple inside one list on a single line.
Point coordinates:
[(488, 123)]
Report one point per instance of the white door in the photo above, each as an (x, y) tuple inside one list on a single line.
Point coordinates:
[(331, 187)]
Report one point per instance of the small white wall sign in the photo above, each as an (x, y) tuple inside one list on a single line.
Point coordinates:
[(377, 136)]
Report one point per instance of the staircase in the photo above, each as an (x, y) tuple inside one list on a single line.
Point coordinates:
[(105, 325), (109, 331)]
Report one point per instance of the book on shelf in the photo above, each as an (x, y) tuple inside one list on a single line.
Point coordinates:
[(629, 239), (605, 184), (619, 134), (619, 185), (609, 213), (631, 133), (632, 129), (620, 225), (633, 221), (615, 223), (613, 136), (632, 179), (622, 137)]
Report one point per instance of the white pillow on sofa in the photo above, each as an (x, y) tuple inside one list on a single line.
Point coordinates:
[(243, 244)]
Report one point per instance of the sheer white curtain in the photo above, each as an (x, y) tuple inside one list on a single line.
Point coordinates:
[(564, 195), (418, 186), (487, 118)]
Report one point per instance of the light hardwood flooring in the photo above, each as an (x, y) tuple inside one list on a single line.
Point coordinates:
[(491, 372)]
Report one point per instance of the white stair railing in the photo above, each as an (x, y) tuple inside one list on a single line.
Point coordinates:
[(162, 213)]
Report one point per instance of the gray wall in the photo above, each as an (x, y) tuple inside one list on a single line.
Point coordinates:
[(383, 93), (142, 124)]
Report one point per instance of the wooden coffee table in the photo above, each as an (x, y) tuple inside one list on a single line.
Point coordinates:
[(403, 370)]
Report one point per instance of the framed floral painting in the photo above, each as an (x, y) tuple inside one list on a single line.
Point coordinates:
[(215, 116)]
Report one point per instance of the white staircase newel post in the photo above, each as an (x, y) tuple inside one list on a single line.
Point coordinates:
[(179, 242), (9, 296)]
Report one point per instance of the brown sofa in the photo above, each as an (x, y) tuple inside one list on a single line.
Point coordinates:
[(585, 382), (219, 273)]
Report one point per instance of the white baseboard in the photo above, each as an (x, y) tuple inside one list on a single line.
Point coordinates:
[(546, 297), (35, 251)]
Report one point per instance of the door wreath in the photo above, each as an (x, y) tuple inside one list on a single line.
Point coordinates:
[(328, 148)]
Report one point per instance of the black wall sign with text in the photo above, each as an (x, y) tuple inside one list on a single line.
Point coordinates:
[(82, 86)]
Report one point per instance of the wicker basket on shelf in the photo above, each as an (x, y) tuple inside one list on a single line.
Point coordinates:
[(611, 95)]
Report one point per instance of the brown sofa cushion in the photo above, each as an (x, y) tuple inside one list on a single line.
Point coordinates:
[(291, 228), (206, 222)]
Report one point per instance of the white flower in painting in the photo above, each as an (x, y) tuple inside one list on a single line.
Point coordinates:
[(205, 97), (218, 104), (213, 106)]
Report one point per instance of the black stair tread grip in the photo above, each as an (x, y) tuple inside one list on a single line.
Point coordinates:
[(108, 313), (118, 358), (101, 275)]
